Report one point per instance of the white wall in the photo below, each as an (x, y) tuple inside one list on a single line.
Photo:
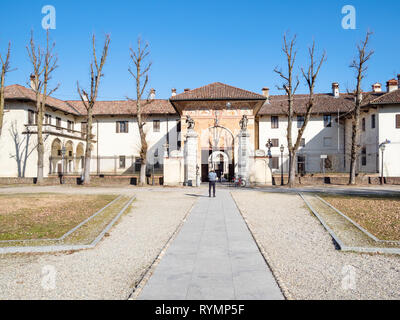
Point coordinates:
[(387, 130), (314, 135), (16, 116)]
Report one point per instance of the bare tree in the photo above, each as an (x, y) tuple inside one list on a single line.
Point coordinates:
[(89, 100), (290, 86), (5, 68), (141, 76), (359, 65), (44, 62)]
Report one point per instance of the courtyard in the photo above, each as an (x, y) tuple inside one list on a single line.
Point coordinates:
[(177, 243)]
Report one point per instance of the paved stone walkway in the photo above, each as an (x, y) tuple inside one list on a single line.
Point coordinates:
[(213, 257)]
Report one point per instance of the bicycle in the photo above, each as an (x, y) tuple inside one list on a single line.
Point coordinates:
[(239, 182)]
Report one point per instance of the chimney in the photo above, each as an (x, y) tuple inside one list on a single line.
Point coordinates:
[(173, 92), (186, 90), (392, 85), (398, 81), (32, 81), (335, 89), (152, 94), (377, 87), (265, 92)]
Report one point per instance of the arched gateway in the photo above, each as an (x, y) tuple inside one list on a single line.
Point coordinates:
[(216, 110)]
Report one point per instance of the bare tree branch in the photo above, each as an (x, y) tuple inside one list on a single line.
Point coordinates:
[(89, 100), (141, 77)]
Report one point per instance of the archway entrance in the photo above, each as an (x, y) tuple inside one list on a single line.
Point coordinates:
[(217, 153)]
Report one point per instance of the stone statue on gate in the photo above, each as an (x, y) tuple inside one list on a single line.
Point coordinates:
[(243, 122), (190, 122)]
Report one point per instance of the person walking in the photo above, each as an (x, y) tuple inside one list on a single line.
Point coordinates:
[(212, 178)]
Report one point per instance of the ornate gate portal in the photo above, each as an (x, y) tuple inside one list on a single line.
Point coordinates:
[(217, 153)]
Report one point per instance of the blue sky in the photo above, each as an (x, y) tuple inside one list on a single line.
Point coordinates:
[(194, 43)]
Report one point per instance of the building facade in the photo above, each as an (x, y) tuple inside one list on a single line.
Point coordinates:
[(217, 110)]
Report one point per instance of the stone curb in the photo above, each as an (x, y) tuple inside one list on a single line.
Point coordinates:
[(344, 248), (356, 224), (285, 292), (137, 289), (46, 249), (68, 232)]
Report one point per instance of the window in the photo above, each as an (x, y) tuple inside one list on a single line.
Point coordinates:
[(373, 119), (47, 119), (58, 123), (274, 143), (156, 153), (138, 164), (397, 121), (364, 156), (327, 120), (328, 162), (178, 134), (363, 124), (302, 142), (275, 163), (156, 125), (274, 122), (327, 141), (122, 162), (83, 129), (31, 117), (122, 127), (70, 125), (300, 121)]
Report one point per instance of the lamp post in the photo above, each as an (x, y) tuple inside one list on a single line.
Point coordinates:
[(63, 152), (282, 148)]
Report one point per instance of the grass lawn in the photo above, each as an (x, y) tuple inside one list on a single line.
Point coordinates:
[(380, 215), (44, 215)]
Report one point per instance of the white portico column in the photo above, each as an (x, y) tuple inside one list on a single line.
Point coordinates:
[(243, 154), (191, 157)]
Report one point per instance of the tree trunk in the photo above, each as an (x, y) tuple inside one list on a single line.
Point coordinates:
[(292, 169), (354, 153), (40, 143), (143, 150), (88, 151), (142, 178)]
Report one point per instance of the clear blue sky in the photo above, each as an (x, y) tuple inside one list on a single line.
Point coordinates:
[(194, 43)]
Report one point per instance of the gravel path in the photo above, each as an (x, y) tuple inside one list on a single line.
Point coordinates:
[(302, 255), (109, 271)]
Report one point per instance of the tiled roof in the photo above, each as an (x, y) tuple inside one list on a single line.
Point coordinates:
[(125, 107), (324, 103), (388, 98), (218, 91), (18, 92), (156, 106)]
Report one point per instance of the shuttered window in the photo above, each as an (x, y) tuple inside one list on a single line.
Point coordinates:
[(275, 163), (397, 121), (122, 127), (274, 122), (275, 143), (156, 125)]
